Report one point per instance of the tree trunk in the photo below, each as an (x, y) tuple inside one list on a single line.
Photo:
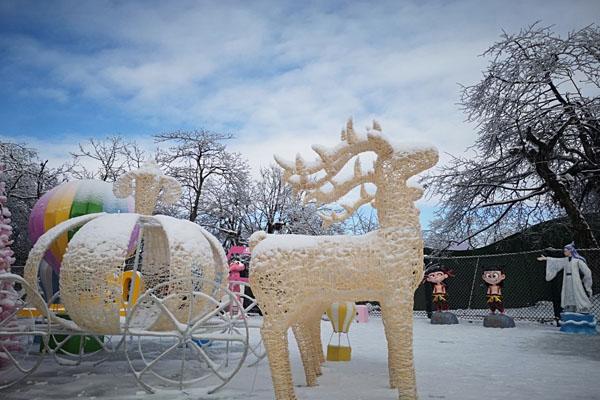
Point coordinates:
[(539, 158), (196, 203), (583, 235), (194, 210)]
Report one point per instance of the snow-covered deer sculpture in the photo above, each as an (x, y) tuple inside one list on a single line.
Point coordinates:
[(296, 277)]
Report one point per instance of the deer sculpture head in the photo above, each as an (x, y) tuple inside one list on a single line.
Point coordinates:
[(391, 169)]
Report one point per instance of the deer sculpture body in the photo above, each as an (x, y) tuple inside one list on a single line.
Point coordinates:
[(295, 277)]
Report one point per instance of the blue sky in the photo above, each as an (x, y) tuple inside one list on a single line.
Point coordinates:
[(279, 75)]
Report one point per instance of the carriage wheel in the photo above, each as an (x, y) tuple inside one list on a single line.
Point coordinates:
[(201, 344), (61, 345), (248, 314), (24, 330)]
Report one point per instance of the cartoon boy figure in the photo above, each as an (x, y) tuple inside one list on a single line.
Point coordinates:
[(436, 275), (494, 279)]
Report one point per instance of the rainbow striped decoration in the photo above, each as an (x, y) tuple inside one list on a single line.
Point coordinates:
[(69, 200), (341, 316)]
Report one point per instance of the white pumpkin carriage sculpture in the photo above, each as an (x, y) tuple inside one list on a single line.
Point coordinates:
[(186, 328)]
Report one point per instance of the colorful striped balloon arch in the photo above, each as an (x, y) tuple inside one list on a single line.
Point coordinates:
[(69, 200)]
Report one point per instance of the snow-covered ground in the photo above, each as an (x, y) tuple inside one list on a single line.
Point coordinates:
[(461, 362)]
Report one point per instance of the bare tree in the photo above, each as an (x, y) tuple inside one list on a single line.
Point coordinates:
[(240, 206), (364, 220), (270, 197), (275, 207), (195, 157), (106, 159), (135, 156), (226, 207), (537, 155)]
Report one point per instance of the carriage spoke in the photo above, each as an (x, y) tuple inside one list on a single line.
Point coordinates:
[(211, 364), (157, 359), (181, 371), (172, 317), (211, 314), (191, 307), (250, 307)]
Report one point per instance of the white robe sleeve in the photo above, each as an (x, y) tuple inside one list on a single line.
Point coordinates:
[(554, 266), (587, 276)]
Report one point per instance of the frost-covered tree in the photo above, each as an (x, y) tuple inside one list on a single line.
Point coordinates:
[(225, 208), (8, 295), (235, 209), (27, 179), (537, 154), (271, 197), (106, 159), (194, 158), (275, 207), (364, 220)]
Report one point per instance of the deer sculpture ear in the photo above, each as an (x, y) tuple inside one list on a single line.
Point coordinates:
[(171, 191), (376, 126), (123, 186), (415, 193)]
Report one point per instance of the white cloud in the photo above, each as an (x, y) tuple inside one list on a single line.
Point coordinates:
[(52, 94), (281, 76)]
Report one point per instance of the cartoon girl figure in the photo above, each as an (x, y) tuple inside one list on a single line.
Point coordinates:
[(235, 267), (494, 279), (436, 275)]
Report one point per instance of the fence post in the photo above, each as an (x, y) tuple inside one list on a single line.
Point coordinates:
[(473, 283)]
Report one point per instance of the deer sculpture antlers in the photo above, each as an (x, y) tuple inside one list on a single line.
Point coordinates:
[(304, 176)]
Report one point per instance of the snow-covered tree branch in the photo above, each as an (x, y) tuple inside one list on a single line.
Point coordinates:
[(27, 179), (8, 295), (195, 157), (537, 155), (107, 159)]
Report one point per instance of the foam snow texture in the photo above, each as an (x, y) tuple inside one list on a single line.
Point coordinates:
[(295, 277)]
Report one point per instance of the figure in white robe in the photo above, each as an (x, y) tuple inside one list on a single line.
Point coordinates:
[(577, 279)]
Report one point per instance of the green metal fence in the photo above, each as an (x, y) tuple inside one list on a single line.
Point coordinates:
[(526, 293)]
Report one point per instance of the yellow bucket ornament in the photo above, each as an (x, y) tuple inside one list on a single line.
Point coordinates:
[(341, 316)]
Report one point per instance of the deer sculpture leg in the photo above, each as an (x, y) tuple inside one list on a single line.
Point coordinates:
[(391, 342), (274, 335), (307, 352), (396, 312), (314, 325), (308, 335)]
